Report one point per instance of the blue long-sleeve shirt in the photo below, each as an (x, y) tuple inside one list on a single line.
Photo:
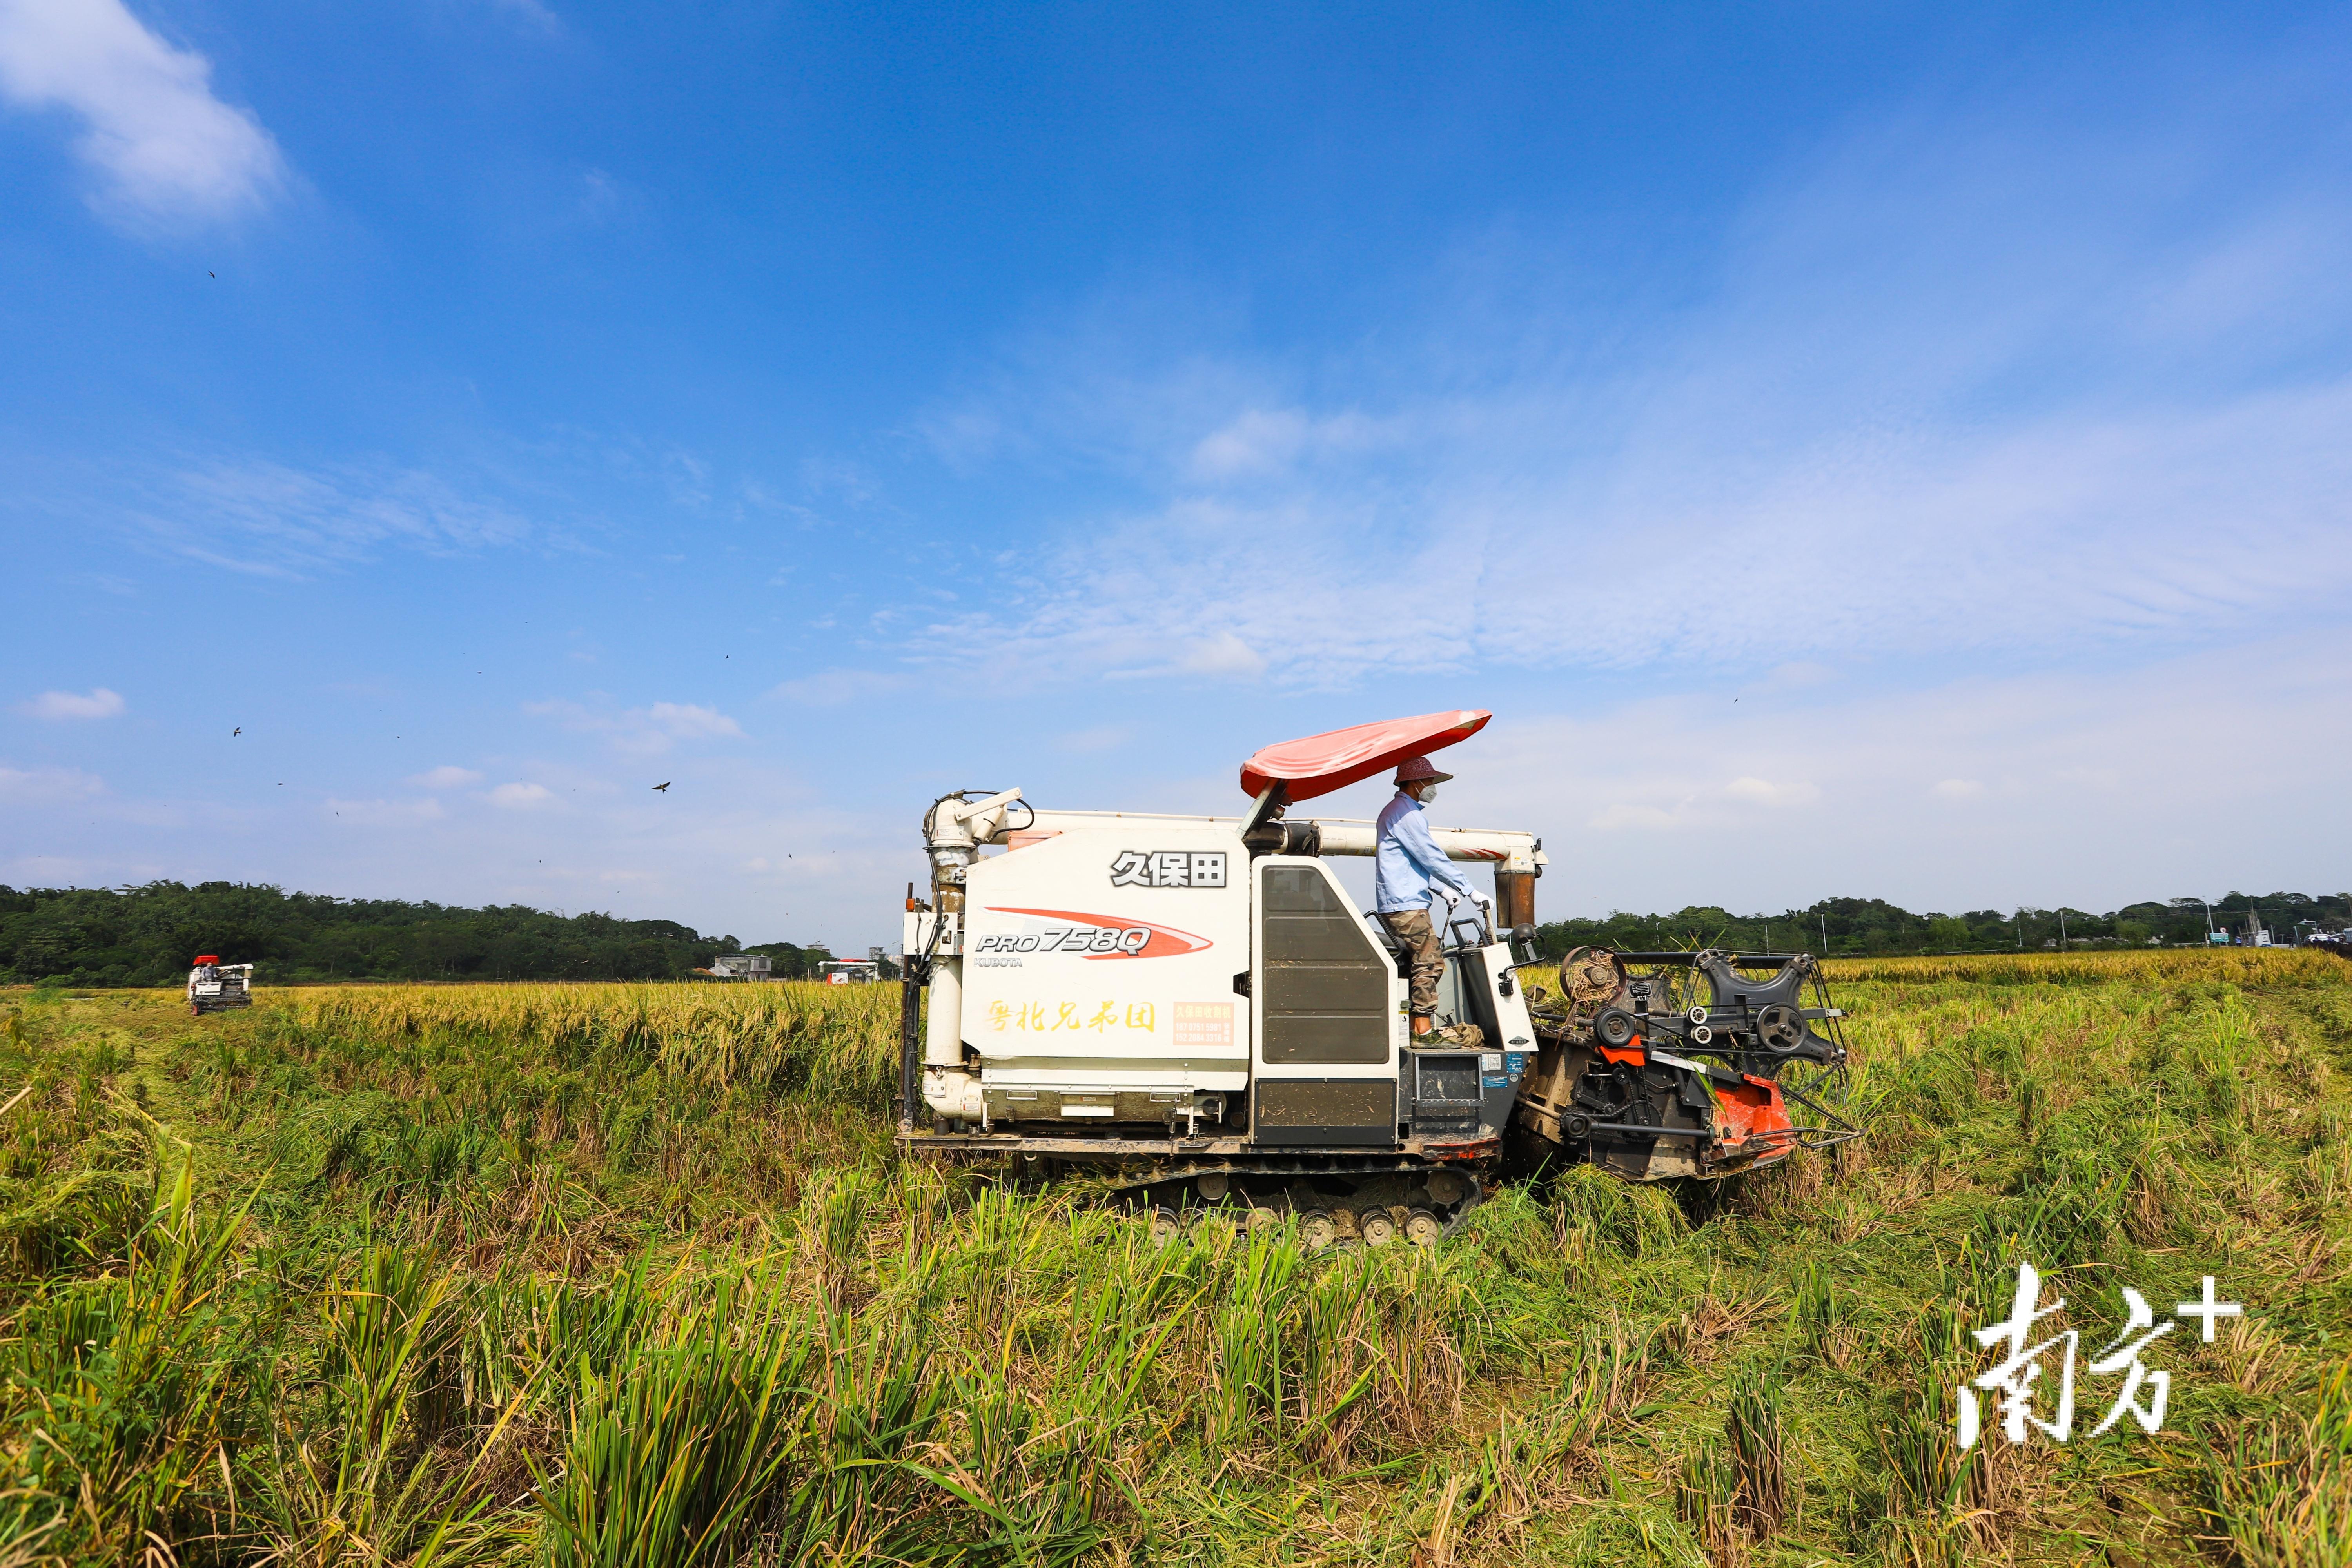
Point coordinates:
[(1408, 860)]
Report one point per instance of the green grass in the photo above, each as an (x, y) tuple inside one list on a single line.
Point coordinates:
[(628, 1275)]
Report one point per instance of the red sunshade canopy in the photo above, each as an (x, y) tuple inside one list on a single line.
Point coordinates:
[(1321, 764), (209, 958)]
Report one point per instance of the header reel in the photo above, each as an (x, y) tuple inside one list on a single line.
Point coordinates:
[(1665, 1064)]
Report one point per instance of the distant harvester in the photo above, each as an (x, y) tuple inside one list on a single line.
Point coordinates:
[(215, 987)]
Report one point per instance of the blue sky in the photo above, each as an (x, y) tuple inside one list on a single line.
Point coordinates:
[(1853, 450)]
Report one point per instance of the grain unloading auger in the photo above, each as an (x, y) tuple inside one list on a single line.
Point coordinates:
[(1195, 1007)]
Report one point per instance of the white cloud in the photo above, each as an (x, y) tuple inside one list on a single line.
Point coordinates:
[(686, 721), (2091, 778), (1667, 801), (1651, 826), (270, 520), (446, 776), (165, 146), (521, 796), (642, 731), (1764, 792), (1976, 389), (48, 786), (1223, 654), (99, 703), (1101, 738), (834, 687), (531, 13), (1623, 813), (384, 812), (1262, 443)]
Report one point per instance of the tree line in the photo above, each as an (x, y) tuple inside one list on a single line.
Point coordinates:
[(1873, 927), (150, 935)]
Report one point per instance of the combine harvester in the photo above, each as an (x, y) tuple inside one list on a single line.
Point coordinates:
[(215, 987), (1195, 1007)]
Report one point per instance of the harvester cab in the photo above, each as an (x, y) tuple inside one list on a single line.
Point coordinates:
[(215, 987), (1196, 1008)]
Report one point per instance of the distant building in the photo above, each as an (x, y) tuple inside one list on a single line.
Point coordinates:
[(739, 966)]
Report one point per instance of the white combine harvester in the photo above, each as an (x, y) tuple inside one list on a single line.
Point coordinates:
[(215, 987), (1196, 1006)]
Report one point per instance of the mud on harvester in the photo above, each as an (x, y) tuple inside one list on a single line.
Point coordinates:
[(1195, 1008)]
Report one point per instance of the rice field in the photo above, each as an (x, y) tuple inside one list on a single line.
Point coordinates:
[(615, 1274)]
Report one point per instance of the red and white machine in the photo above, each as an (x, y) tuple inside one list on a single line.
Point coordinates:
[(215, 987), (1198, 1003)]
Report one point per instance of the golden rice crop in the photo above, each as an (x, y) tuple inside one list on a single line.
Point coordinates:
[(575, 1274), (844, 1036), (2169, 966)]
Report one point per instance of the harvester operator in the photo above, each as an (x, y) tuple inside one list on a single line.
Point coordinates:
[(1408, 870)]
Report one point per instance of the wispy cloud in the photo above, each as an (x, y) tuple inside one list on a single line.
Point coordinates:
[(1101, 738), (832, 688), (1958, 795), (99, 703), (1994, 389), (522, 795), (446, 776), (642, 731), (48, 787), (384, 812), (166, 149), (271, 519), (530, 15)]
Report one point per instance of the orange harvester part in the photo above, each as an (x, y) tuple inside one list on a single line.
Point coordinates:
[(1632, 1053), (1750, 1110)]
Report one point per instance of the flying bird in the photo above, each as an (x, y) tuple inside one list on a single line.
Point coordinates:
[(659, 787), (238, 731), (210, 273)]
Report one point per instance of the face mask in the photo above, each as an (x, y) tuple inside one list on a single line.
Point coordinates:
[(1425, 793)]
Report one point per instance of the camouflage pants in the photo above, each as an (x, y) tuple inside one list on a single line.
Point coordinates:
[(1413, 928)]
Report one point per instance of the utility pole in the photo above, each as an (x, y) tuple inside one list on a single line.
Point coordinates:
[(2062, 928), (1825, 934)]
